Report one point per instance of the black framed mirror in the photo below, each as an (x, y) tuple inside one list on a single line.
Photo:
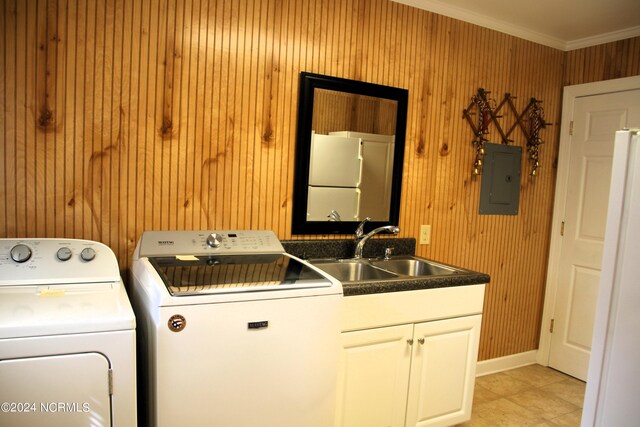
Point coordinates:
[(349, 154)]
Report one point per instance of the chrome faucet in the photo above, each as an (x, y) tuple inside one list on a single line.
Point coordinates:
[(362, 239), (360, 229)]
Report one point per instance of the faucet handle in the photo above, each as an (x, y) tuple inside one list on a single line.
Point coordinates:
[(388, 252), (334, 215), (360, 229)]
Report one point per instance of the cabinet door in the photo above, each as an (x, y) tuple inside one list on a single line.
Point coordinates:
[(443, 371), (374, 377)]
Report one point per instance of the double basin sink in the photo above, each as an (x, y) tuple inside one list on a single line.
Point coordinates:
[(398, 267)]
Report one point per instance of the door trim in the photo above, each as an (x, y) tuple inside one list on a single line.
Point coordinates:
[(570, 94)]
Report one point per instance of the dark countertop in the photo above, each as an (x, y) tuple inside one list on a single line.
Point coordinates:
[(316, 249), (319, 249)]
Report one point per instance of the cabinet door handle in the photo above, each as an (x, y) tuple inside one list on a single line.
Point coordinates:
[(410, 341), (421, 340)]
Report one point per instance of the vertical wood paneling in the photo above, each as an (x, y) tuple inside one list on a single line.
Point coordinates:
[(122, 116), (603, 62), (7, 18), (28, 219)]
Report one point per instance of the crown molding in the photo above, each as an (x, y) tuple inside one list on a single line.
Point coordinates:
[(442, 8), (604, 38)]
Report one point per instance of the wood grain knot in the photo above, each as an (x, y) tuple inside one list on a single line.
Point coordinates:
[(166, 128), (420, 147), (267, 135), (45, 119)]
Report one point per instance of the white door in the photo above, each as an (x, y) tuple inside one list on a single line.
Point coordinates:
[(70, 390), (374, 376), (445, 354), (595, 120)]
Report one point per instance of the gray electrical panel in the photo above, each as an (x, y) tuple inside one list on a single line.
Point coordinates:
[(500, 188)]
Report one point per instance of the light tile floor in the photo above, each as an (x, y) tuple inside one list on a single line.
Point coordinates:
[(533, 395)]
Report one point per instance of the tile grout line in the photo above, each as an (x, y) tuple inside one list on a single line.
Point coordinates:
[(502, 396)]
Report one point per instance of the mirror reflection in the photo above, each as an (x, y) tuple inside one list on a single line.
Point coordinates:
[(349, 154), (351, 161)]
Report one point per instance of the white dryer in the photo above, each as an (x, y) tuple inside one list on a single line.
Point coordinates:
[(67, 336), (233, 331)]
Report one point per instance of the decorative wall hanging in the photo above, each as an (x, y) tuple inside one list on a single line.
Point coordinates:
[(530, 121)]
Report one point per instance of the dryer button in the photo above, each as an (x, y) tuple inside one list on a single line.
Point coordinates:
[(20, 253), (88, 254), (64, 254)]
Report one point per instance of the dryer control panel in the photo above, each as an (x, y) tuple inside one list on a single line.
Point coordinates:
[(208, 242), (51, 261)]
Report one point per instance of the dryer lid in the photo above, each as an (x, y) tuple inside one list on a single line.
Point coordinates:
[(62, 309), (206, 275)]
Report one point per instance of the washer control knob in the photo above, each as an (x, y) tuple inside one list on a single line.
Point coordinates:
[(64, 254), (214, 240), (88, 254), (20, 253)]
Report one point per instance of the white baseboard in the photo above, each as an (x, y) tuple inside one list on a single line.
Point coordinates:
[(499, 364)]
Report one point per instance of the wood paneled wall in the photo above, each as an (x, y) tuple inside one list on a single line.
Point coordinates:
[(121, 116), (338, 111), (603, 62)]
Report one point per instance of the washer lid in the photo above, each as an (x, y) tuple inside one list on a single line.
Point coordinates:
[(206, 275)]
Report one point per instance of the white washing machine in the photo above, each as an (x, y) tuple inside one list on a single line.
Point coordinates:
[(67, 336), (233, 332)]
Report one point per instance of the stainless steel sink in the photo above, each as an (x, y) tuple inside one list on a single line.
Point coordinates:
[(353, 271), (360, 270), (411, 266)]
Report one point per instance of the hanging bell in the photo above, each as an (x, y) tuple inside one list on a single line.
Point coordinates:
[(536, 166)]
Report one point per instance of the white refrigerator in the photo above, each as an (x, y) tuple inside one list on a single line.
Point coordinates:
[(335, 172), (613, 382)]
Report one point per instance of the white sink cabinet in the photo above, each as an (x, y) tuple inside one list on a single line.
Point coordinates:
[(409, 358)]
